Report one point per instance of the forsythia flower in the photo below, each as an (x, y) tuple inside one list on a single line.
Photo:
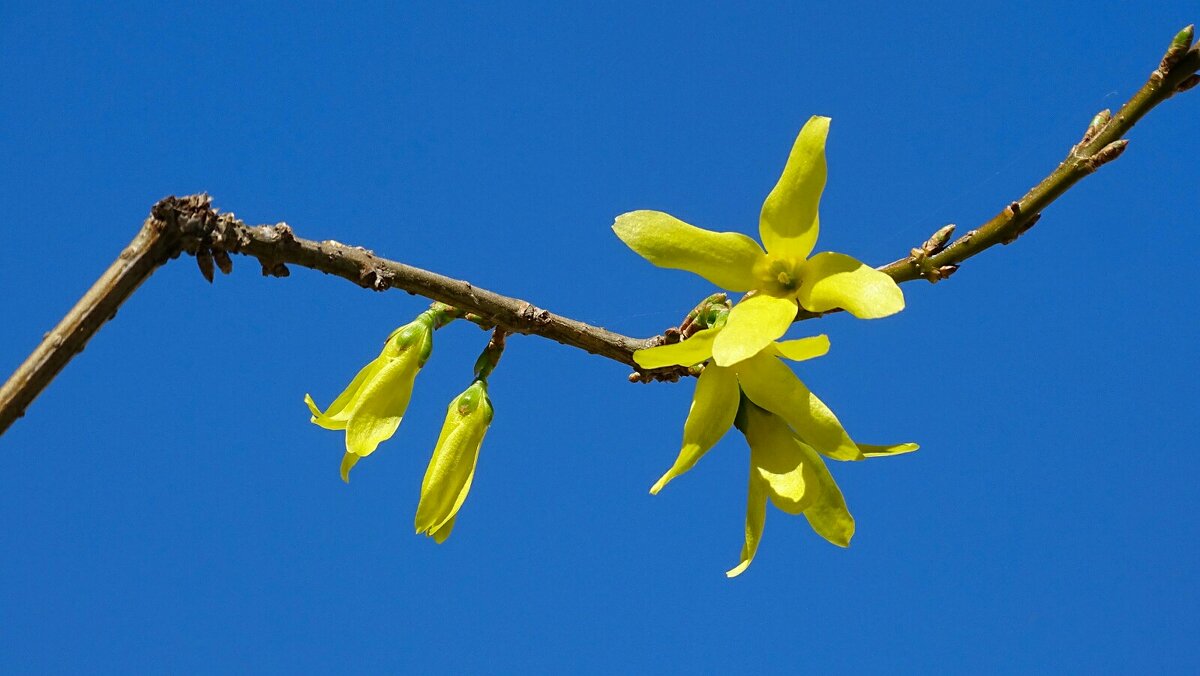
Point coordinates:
[(782, 276), (452, 467), (767, 382), (789, 473), (785, 424), (371, 407)]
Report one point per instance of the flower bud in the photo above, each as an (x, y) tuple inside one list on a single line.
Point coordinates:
[(372, 406), (452, 467)]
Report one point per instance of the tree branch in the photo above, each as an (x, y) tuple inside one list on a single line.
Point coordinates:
[(191, 225)]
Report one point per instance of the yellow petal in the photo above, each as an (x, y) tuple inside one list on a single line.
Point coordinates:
[(714, 405), (753, 324), (775, 454), (381, 403), (769, 383), (439, 536), (349, 460), (756, 520), (788, 223), (828, 515), (832, 280), (870, 451), (724, 258), (684, 353), (335, 417), (803, 349), (451, 468)]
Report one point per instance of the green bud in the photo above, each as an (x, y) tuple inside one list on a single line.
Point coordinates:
[(1183, 39), (1179, 45)]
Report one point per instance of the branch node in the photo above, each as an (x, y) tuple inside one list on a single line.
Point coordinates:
[(285, 232), (1021, 229), (375, 278), (531, 313), (924, 265)]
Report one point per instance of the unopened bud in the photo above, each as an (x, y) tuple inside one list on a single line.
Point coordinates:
[(452, 465)]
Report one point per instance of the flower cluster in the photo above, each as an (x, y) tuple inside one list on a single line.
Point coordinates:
[(735, 350), (742, 379), (371, 408)]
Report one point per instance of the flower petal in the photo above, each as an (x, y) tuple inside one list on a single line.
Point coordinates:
[(714, 406), (769, 383), (870, 451), (788, 223), (832, 280), (687, 352), (756, 521), (349, 460), (790, 475), (724, 258), (803, 349), (828, 515), (439, 536), (753, 324), (380, 405), (335, 417)]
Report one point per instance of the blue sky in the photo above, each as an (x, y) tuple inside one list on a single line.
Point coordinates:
[(168, 507)]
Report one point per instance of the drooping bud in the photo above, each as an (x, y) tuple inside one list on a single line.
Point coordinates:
[(452, 466), (372, 406)]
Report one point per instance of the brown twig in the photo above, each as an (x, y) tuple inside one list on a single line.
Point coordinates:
[(190, 224)]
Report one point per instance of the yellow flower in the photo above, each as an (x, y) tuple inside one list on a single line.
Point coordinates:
[(371, 407), (452, 467), (767, 382), (787, 426), (789, 473), (783, 277)]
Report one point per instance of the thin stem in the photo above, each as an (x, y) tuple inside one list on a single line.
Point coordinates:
[(490, 357), (153, 246)]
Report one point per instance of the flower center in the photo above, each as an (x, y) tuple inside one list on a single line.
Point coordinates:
[(779, 276)]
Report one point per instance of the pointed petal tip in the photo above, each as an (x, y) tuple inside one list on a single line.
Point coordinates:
[(872, 451), (312, 407), (737, 570), (349, 460)]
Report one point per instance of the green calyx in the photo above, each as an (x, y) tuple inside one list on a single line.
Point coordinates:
[(472, 399)]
